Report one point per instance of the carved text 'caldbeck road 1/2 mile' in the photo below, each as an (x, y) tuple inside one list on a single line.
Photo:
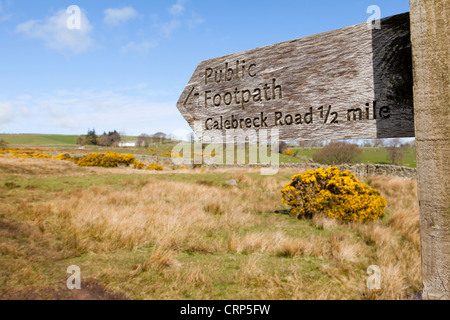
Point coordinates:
[(354, 82)]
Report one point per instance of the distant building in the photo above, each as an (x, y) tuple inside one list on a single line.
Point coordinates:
[(127, 144)]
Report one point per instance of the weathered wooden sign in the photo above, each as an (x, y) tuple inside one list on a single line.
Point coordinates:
[(350, 83)]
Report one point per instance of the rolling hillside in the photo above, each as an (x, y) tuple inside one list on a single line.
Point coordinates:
[(39, 139)]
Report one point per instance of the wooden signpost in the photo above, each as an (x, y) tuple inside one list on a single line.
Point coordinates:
[(351, 83), (430, 36)]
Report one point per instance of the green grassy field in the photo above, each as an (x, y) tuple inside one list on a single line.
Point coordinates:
[(370, 156), (39, 139), (380, 156), (305, 152)]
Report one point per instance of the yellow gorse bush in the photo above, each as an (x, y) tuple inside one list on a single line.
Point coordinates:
[(106, 160), (109, 160), (338, 194), (139, 165), (26, 153), (42, 156), (23, 150), (154, 166), (65, 156)]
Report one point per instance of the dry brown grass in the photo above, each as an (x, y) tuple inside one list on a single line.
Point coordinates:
[(278, 244), (160, 258), (164, 239), (168, 214)]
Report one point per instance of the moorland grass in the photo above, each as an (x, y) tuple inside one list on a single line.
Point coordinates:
[(185, 234)]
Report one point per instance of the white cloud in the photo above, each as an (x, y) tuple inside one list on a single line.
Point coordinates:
[(195, 20), (140, 48), (178, 8), (4, 16), (164, 29), (169, 27), (175, 10), (56, 35), (57, 112), (54, 112), (6, 112), (25, 112), (118, 16)]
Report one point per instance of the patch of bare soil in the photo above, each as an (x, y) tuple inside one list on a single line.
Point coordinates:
[(90, 290)]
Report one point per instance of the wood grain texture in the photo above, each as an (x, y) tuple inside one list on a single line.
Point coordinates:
[(324, 84)]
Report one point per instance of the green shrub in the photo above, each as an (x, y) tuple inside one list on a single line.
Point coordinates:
[(3, 143)]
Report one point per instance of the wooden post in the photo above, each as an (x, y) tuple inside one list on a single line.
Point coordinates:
[(430, 40)]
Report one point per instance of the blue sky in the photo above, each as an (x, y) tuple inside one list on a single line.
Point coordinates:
[(128, 64)]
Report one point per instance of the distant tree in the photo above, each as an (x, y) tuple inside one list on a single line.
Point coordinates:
[(81, 140), (338, 153), (103, 140), (91, 138), (302, 144), (306, 144), (3, 143), (115, 138), (144, 140), (159, 137), (396, 151), (368, 143), (282, 147), (317, 143), (378, 143), (109, 139)]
